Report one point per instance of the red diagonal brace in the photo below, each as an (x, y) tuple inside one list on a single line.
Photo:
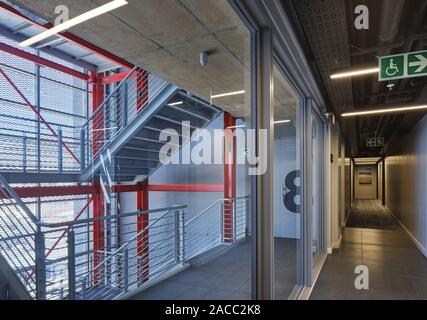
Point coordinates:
[(62, 235), (43, 62), (37, 113)]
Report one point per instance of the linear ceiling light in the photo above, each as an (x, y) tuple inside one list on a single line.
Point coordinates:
[(176, 103), (228, 94), (282, 121), (75, 21), (237, 127), (381, 111), (355, 73)]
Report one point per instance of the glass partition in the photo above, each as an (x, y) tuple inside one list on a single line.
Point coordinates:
[(287, 189)]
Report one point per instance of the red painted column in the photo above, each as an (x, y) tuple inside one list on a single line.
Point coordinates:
[(98, 201), (142, 195), (98, 122), (98, 232), (143, 238), (142, 90), (230, 158)]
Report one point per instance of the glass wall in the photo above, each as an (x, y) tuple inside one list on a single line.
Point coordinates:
[(287, 189), (215, 106)]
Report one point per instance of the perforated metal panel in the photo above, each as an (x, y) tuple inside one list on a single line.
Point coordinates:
[(325, 24)]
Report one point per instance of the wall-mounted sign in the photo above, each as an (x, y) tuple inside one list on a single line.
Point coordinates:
[(375, 142), (406, 65)]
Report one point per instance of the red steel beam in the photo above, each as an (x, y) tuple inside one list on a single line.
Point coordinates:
[(71, 38), (43, 62), (186, 188), (58, 191), (114, 78)]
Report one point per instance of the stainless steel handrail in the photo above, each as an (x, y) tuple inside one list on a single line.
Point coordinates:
[(213, 205), (105, 218)]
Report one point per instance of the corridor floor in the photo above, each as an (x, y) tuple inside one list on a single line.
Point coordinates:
[(397, 269)]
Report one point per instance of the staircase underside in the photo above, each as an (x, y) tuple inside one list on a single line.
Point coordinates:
[(136, 150)]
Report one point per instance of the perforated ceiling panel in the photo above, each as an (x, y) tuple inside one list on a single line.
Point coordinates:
[(325, 25)]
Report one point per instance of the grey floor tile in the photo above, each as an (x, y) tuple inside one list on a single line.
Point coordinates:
[(397, 269)]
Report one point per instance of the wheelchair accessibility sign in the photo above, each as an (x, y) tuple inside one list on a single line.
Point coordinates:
[(407, 65)]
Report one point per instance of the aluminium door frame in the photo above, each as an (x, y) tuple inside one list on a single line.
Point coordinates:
[(322, 121)]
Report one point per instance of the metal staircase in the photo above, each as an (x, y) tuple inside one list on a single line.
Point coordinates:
[(119, 143), (127, 125)]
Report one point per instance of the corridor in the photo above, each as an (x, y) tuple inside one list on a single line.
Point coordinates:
[(397, 269)]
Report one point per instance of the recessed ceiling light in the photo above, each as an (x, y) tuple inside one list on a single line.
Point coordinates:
[(237, 127), (355, 73), (282, 121), (228, 94), (381, 111), (75, 21), (176, 103)]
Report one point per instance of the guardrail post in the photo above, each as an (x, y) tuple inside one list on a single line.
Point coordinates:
[(82, 149), (247, 213), (125, 105), (60, 154), (234, 210), (84, 289), (179, 237), (125, 273), (182, 235), (24, 152), (40, 247), (221, 222), (71, 264)]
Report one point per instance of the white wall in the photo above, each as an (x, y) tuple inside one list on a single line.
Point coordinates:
[(406, 179)]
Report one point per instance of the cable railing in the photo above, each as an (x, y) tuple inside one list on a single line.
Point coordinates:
[(119, 109), (109, 256), (18, 236)]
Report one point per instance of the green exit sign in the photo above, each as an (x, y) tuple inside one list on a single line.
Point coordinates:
[(405, 65)]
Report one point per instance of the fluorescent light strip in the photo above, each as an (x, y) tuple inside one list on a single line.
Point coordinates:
[(75, 21), (282, 121), (105, 129), (237, 127), (228, 94), (381, 111), (355, 73), (176, 103)]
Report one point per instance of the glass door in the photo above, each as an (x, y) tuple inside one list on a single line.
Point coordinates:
[(317, 157), (287, 190)]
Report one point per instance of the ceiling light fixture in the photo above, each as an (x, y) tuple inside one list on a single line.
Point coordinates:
[(381, 111), (355, 73), (176, 103), (228, 94), (282, 121), (75, 21), (237, 127)]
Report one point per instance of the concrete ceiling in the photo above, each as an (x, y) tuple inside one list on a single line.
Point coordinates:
[(166, 38)]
